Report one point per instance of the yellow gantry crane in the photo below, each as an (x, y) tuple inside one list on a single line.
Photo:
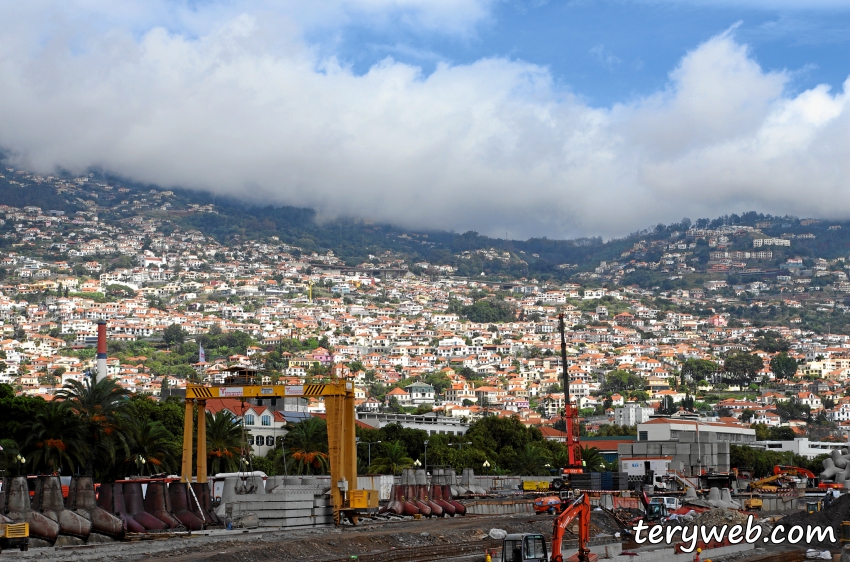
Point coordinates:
[(338, 396)]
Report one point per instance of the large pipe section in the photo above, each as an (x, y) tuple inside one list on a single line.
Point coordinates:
[(101, 349)]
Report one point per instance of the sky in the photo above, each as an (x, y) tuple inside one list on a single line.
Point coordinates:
[(519, 118)]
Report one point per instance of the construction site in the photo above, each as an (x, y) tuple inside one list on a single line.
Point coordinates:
[(420, 515)]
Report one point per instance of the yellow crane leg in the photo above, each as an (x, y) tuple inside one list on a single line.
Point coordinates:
[(202, 441), (186, 472), (342, 449)]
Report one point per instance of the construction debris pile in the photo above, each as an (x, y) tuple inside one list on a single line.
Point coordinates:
[(831, 516)]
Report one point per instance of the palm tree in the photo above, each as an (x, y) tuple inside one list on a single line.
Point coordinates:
[(307, 446), (531, 460), (592, 459), (560, 457), (56, 440), (393, 460), (310, 434), (100, 406), (225, 442), (152, 448)]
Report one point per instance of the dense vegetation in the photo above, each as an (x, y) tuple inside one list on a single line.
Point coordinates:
[(96, 426)]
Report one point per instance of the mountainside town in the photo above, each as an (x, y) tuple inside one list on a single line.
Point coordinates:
[(414, 337)]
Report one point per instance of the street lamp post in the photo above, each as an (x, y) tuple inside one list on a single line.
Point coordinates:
[(486, 466), (426, 456), (369, 447)]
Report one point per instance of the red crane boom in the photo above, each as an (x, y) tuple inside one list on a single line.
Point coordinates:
[(575, 465)]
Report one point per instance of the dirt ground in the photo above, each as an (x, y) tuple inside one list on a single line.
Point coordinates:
[(312, 545)]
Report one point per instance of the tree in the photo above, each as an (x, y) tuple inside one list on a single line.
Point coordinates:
[(743, 367), (308, 443), (792, 411), (667, 407), (747, 415), (15, 411), (592, 459), (531, 460), (225, 442), (57, 440), (100, 405), (174, 335), (621, 381), (771, 341), (392, 460), (10, 457), (698, 370), (47, 380), (152, 448), (783, 366), (488, 311)]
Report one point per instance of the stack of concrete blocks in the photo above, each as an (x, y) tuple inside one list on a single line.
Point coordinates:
[(281, 503), (688, 456)]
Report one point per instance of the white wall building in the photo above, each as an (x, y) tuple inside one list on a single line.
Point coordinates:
[(667, 429), (800, 446), (632, 414)]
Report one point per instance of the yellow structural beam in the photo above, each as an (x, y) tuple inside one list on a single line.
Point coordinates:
[(269, 390), (202, 442), (188, 423), (342, 443)]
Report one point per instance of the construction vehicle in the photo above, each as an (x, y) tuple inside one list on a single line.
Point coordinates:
[(535, 485), (14, 535), (654, 512), (782, 476), (669, 502), (531, 547), (575, 465), (753, 502), (547, 504)]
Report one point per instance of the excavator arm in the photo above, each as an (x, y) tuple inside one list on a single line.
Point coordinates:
[(579, 508), (793, 471), (759, 483)]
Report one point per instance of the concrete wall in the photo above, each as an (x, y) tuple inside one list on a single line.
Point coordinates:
[(498, 507)]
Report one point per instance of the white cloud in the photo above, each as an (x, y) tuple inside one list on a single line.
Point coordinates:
[(248, 108)]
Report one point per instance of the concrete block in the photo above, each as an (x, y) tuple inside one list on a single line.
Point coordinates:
[(296, 521), (682, 449), (293, 492), (710, 437), (686, 437), (266, 505), (624, 450), (653, 449), (277, 513), (639, 448)]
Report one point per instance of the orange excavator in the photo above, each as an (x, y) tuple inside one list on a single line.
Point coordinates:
[(531, 547), (579, 508)]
